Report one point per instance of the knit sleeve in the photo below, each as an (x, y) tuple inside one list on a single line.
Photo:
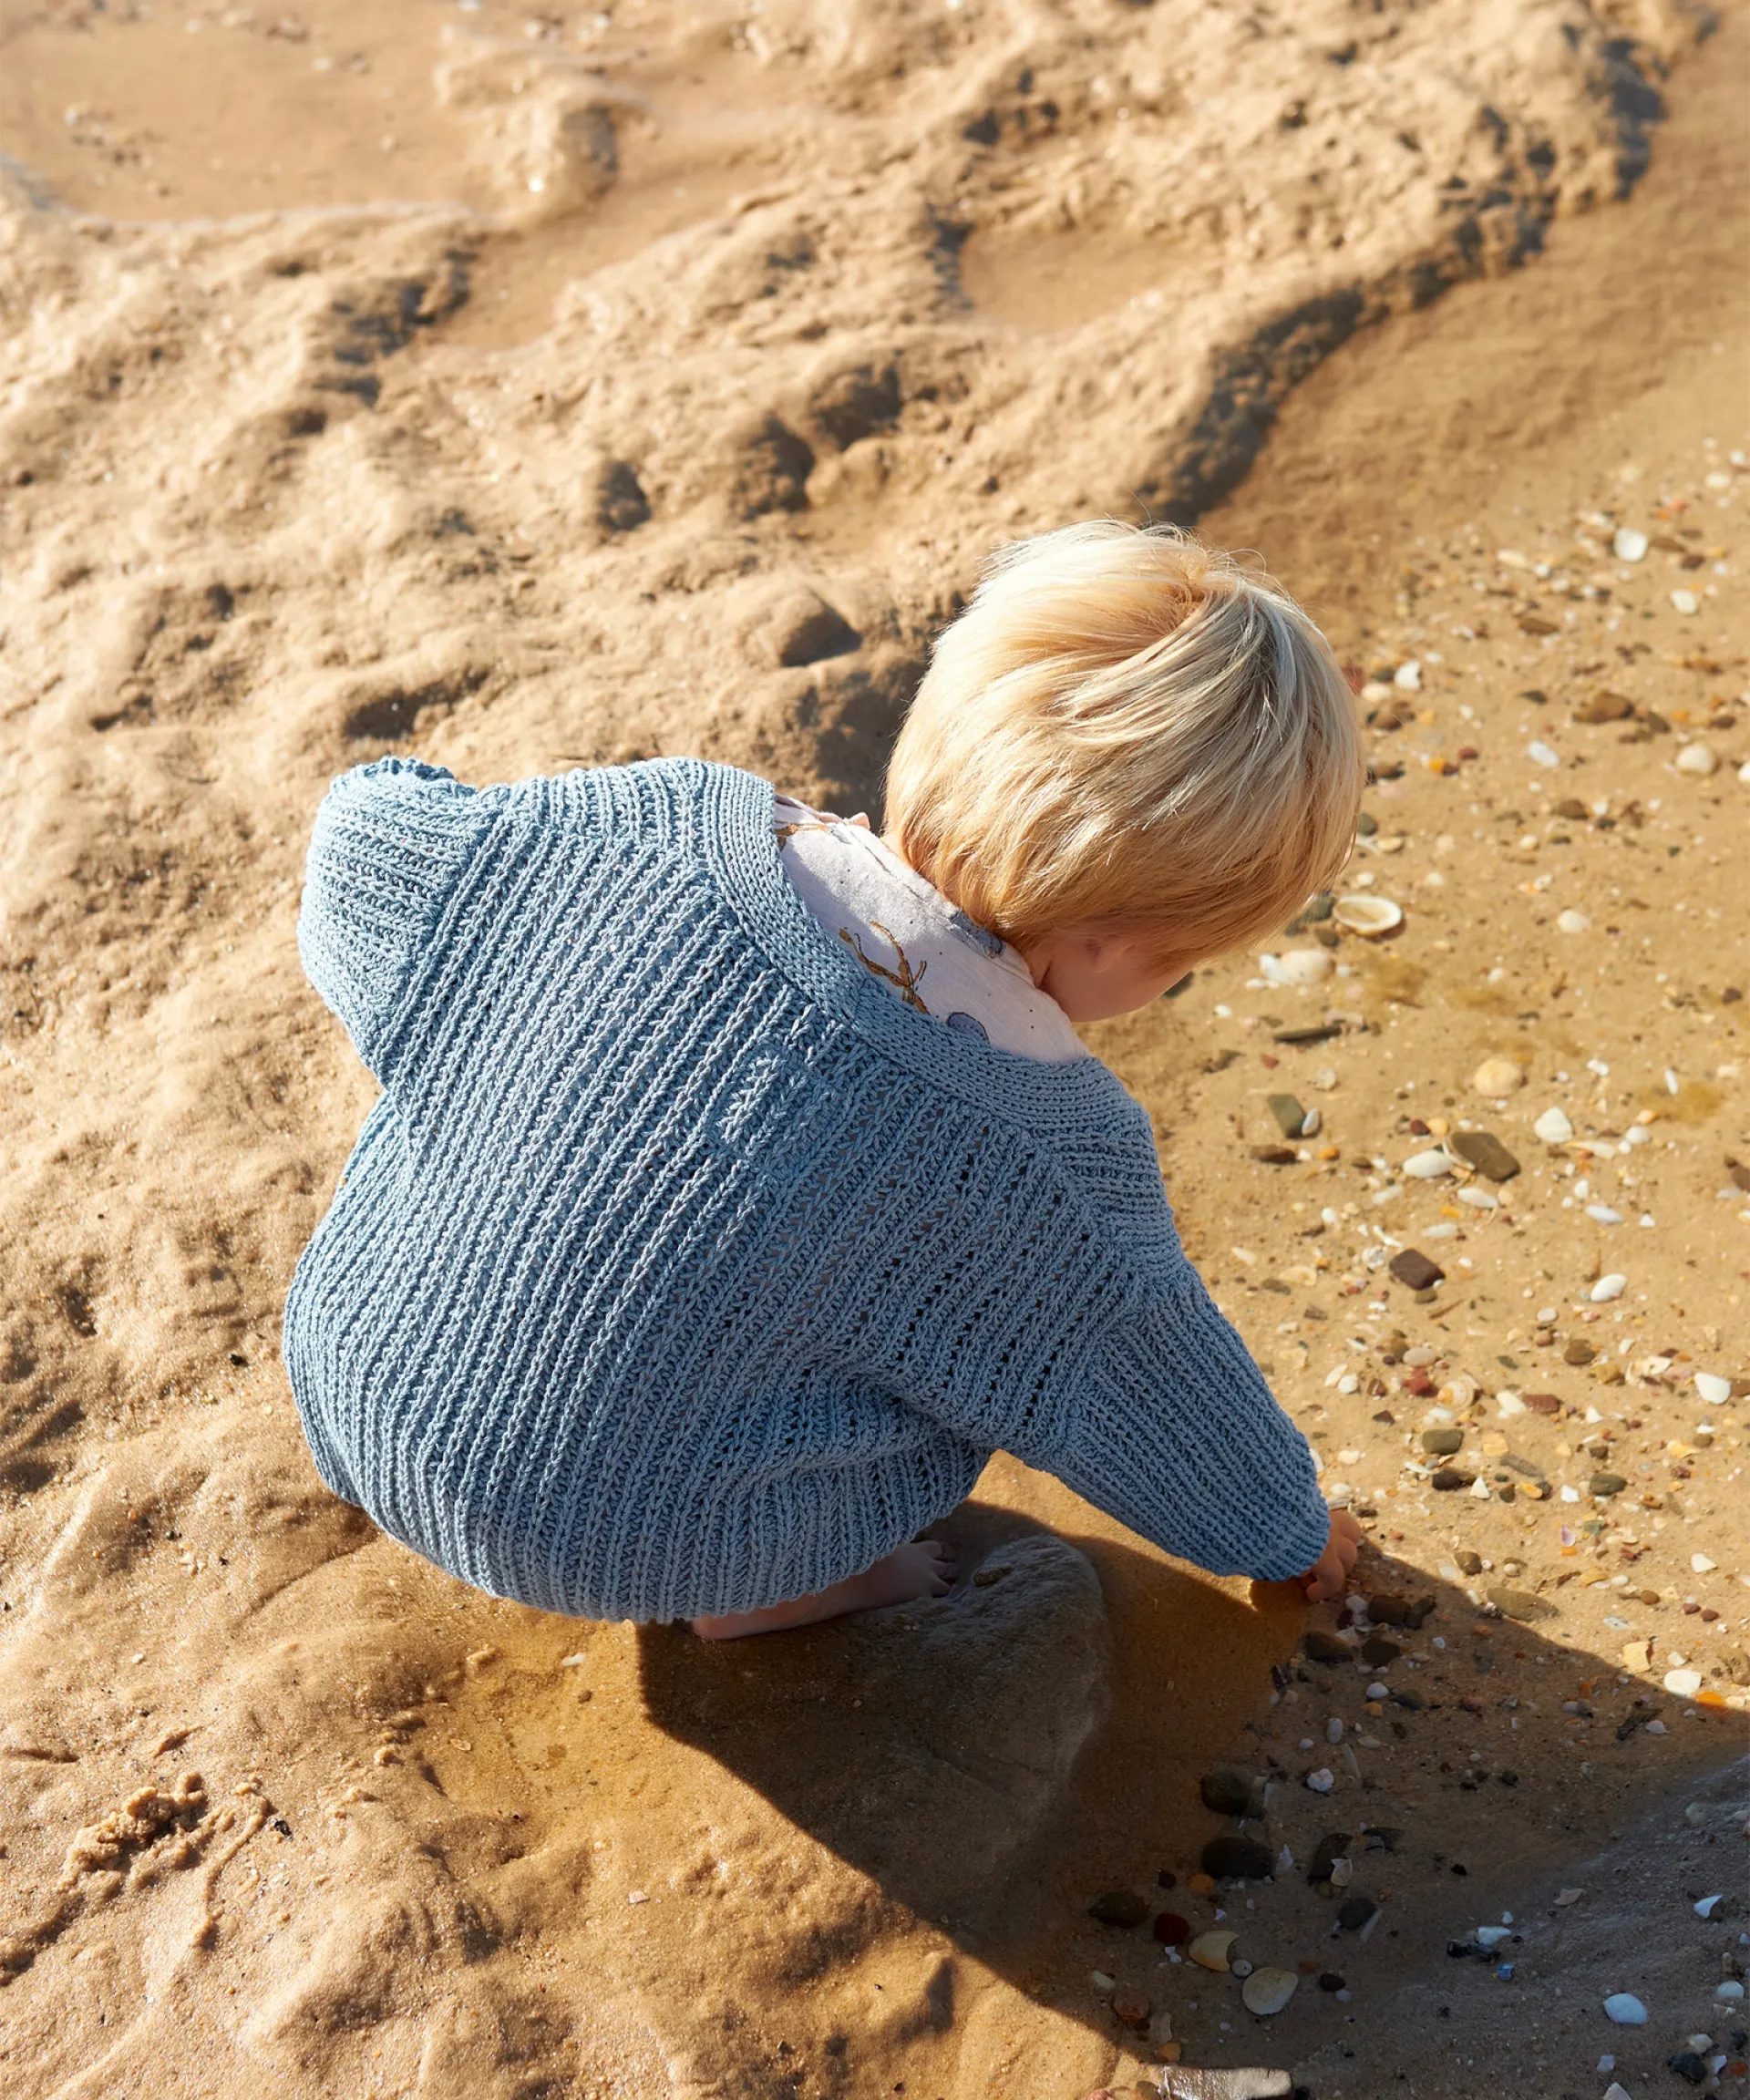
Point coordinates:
[(1175, 1432), (389, 841)]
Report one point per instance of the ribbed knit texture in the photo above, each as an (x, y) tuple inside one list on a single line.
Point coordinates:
[(681, 1269)]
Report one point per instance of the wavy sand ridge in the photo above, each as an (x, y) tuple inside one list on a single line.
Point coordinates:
[(804, 310)]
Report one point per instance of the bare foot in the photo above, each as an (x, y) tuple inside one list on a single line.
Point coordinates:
[(923, 1568)]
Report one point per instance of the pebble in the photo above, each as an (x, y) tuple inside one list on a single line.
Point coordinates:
[(1553, 1126), (1368, 915), (1685, 602), (1299, 966), (1481, 1150), (1717, 1391), (1210, 1951), (1238, 1859), (1445, 1478), (1625, 2010), (1415, 1269), (1539, 754), (1171, 1929), (1376, 1652), (1614, 2091), (1629, 545), (1321, 1781), (1407, 677), (1521, 1604), (1331, 1980), (1608, 1288), (1682, 1683), (1333, 1846), (1498, 1077), (1427, 1165), (1441, 1443), (1730, 1992), (1119, 1907), (1291, 1117), (1226, 1790), (1572, 921), (1698, 759), (1267, 1991), (1606, 1484), (1700, 1564), (1479, 1198), (1602, 1214), (1319, 1646), (1354, 1912)]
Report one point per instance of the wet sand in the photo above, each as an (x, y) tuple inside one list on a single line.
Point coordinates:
[(813, 306)]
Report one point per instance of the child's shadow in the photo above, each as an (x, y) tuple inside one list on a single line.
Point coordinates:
[(931, 1746)]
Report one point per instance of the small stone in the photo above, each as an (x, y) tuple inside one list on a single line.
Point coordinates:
[(1210, 1951), (1267, 1991), (1414, 1269), (1485, 1152), (1701, 1564), (1355, 1911), (1376, 1652), (1469, 1562), (1427, 1165), (1131, 2009), (1447, 1479), (1686, 603), (1687, 2064), (1682, 1683), (1579, 1352), (1625, 2010), (1171, 1929), (1553, 1126), (1498, 1077), (1543, 1402), (1275, 1155), (1572, 921), (1331, 1980), (1226, 1790), (1385, 1608), (1240, 1967), (1291, 1117), (1524, 1605), (1238, 1859), (1606, 1484), (1629, 545), (1538, 752), (1321, 1781), (1608, 1288), (1119, 1907), (1333, 1846), (1319, 1646)]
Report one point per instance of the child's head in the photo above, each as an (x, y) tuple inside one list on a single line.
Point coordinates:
[(1127, 729)]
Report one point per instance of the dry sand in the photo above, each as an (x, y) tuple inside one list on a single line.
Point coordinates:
[(682, 323)]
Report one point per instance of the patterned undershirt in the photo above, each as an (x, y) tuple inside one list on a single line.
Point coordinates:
[(908, 935)]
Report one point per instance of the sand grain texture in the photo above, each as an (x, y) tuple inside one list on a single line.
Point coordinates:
[(658, 386)]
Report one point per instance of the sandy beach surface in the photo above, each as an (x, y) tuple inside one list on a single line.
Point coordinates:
[(537, 390)]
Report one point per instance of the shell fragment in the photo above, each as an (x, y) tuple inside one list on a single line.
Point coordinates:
[(1210, 1951), (1371, 916), (1267, 1991)]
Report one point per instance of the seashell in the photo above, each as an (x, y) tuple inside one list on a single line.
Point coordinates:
[(1572, 921), (1267, 1991), (1429, 1166), (1299, 966), (1697, 759), (1498, 1077), (1712, 1388), (1553, 1126), (1210, 1951), (1626, 2009), (1407, 677), (1371, 916), (1629, 545), (1479, 1198), (1607, 1287)]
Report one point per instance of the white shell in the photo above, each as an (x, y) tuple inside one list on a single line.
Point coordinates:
[(1539, 754), (1407, 677), (1479, 1198), (1629, 545), (1267, 1991), (1625, 2010), (1607, 1287), (1498, 1077), (1712, 1388), (1429, 1166), (1572, 921), (1685, 602), (1299, 966), (1697, 759), (1602, 1214), (1553, 1126), (1682, 1683), (1370, 915)]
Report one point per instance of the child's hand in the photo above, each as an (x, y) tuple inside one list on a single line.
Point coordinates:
[(1329, 1575)]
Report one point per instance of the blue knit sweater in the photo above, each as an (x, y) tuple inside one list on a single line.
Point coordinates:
[(678, 1268)]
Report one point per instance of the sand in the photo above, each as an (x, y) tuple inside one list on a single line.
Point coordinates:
[(540, 435)]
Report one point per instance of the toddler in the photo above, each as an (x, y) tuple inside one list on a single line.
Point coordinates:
[(739, 1184)]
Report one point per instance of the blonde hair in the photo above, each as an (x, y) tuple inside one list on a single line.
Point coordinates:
[(1127, 727)]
